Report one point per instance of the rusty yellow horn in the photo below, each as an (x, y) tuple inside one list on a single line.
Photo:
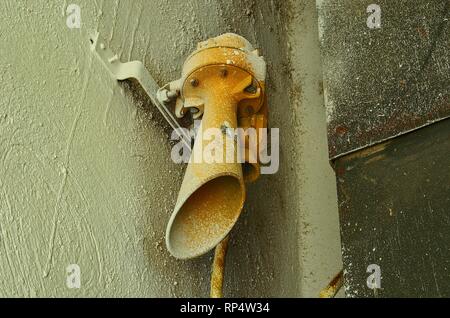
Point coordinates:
[(223, 84)]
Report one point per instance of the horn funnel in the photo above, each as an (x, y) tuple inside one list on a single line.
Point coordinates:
[(223, 81)]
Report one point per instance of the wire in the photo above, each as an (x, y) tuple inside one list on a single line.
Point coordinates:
[(218, 269), (334, 286)]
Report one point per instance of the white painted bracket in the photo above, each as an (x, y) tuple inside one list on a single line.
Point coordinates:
[(133, 70)]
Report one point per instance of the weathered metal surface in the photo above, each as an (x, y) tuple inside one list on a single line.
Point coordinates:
[(132, 70), (380, 83), (394, 206), (212, 194)]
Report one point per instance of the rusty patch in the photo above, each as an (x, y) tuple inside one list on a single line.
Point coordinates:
[(216, 79), (386, 82)]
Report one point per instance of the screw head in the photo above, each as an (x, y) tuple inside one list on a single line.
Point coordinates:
[(252, 89), (224, 72), (194, 82)]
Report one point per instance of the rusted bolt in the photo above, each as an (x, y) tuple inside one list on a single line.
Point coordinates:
[(225, 127), (194, 82), (252, 89), (224, 72), (228, 131)]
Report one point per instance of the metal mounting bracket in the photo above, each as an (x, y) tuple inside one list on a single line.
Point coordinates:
[(134, 70)]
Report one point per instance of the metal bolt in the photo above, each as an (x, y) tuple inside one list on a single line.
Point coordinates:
[(194, 110), (172, 94), (227, 130), (252, 89), (194, 82)]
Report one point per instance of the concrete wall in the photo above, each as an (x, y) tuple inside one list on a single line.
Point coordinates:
[(85, 171)]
